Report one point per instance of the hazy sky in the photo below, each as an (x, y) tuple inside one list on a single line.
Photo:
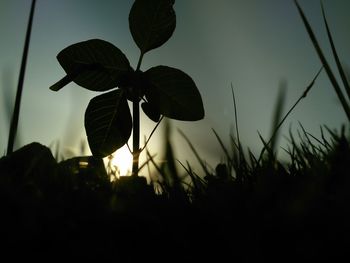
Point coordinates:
[(253, 44)]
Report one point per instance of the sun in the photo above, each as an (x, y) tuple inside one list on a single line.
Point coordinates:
[(121, 161)]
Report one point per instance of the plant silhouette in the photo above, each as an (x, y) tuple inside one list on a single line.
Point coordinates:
[(98, 65), (17, 106)]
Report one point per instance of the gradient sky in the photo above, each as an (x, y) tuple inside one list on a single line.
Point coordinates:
[(253, 44)]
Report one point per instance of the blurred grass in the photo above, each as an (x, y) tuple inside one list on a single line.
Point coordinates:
[(244, 209)]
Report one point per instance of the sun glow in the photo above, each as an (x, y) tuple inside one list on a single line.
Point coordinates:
[(121, 162)]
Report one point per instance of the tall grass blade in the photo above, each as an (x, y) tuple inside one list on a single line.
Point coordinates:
[(306, 91), (267, 146), (326, 143), (278, 114), (152, 132), (170, 158), (15, 115), (201, 162), (335, 55), (325, 64), (145, 163), (229, 159), (236, 118), (316, 139), (253, 159), (197, 182), (305, 133), (150, 158)]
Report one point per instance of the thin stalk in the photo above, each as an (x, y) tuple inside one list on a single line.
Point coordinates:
[(229, 159), (150, 136), (335, 55), (15, 115), (305, 93), (139, 62), (236, 119), (277, 114), (325, 64), (201, 162), (136, 137), (136, 127)]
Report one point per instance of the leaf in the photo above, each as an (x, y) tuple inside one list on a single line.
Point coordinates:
[(150, 111), (174, 93), (93, 64), (108, 123), (152, 23)]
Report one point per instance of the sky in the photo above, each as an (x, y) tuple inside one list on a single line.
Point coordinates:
[(252, 44)]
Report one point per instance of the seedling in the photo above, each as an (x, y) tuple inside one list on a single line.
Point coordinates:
[(98, 65)]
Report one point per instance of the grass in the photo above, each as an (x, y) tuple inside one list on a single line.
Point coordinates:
[(244, 209), (16, 110)]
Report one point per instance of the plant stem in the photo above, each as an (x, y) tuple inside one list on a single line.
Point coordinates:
[(15, 115), (136, 127), (139, 62), (135, 137)]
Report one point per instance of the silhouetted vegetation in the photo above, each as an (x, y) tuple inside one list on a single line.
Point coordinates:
[(16, 109), (244, 210), (98, 65), (248, 210)]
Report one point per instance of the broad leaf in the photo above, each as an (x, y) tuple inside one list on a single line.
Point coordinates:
[(174, 93), (152, 23), (150, 111), (108, 123), (93, 64)]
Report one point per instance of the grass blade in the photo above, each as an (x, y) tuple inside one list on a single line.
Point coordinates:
[(229, 159), (267, 147), (197, 182), (15, 115), (325, 64), (236, 119), (201, 162), (278, 114), (150, 158), (306, 91), (335, 55)]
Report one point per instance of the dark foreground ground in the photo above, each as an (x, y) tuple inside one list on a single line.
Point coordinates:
[(50, 213)]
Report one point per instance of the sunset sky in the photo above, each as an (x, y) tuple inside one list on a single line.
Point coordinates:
[(253, 44)]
